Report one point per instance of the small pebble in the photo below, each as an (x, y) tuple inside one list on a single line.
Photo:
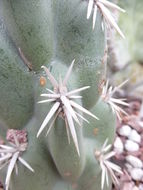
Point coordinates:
[(125, 130), (134, 136), (137, 174), (141, 124), (128, 166), (135, 188), (118, 145), (127, 186), (134, 161), (131, 146), (141, 187)]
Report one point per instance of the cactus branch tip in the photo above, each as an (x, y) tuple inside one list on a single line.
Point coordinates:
[(103, 6), (103, 156), (115, 103), (10, 155), (64, 105)]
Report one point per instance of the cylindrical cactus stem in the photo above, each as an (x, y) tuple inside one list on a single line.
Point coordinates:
[(76, 39), (69, 164), (64, 131), (16, 91), (101, 129), (52, 66), (31, 28)]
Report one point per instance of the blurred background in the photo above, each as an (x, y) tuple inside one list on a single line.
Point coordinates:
[(125, 56), (125, 61)]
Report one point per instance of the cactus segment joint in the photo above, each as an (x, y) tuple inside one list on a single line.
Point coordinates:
[(64, 105), (103, 5), (108, 168), (10, 154)]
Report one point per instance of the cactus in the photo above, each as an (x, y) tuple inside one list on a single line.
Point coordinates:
[(41, 92)]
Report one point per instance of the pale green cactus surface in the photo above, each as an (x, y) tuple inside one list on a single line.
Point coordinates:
[(53, 34)]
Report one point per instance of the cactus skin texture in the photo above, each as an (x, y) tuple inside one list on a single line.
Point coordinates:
[(53, 33)]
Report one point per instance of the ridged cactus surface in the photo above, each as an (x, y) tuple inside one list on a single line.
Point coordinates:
[(60, 107)]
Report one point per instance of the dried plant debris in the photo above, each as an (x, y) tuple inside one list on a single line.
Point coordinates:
[(11, 153), (64, 105), (107, 166), (115, 103), (104, 6)]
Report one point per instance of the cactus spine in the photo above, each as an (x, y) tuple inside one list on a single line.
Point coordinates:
[(53, 33)]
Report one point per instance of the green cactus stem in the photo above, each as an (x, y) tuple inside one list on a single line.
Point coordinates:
[(63, 108)]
